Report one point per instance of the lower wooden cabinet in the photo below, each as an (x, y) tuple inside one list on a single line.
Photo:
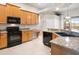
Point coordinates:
[(30, 35), (56, 50), (26, 35), (3, 40), (54, 36), (61, 50)]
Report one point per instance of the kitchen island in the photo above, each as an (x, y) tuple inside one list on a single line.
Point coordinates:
[(65, 45), (62, 42)]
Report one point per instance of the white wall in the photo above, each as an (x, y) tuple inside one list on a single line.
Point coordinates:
[(50, 21), (72, 13)]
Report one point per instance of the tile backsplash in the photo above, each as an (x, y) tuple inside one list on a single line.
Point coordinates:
[(4, 26)]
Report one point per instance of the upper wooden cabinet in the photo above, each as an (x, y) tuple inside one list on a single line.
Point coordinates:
[(2, 14), (29, 18), (13, 10), (23, 16), (32, 18), (35, 18)]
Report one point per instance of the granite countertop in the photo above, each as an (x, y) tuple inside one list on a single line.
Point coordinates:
[(24, 30), (68, 42), (3, 31), (54, 30)]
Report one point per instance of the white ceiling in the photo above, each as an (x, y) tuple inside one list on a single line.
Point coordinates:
[(41, 6), (48, 7)]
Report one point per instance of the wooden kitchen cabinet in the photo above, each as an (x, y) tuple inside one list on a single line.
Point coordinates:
[(56, 50), (2, 14), (30, 35), (32, 18), (26, 18), (26, 35), (23, 16), (54, 36), (35, 19), (29, 18), (61, 50), (13, 10), (3, 40)]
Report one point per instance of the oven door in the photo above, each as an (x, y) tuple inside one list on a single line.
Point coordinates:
[(14, 39)]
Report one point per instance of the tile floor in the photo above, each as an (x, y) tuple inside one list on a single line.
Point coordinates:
[(34, 47)]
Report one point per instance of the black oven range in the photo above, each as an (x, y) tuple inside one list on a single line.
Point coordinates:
[(14, 35)]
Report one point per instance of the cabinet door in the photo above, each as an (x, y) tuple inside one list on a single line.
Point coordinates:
[(24, 36), (9, 10), (29, 18), (3, 40), (56, 50), (33, 19), (23, 18), (54, 36), (13, 10), (37, 19), (16, 11), (2, 14), (30, 35)]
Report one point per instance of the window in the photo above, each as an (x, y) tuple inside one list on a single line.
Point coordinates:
[(75, 24)]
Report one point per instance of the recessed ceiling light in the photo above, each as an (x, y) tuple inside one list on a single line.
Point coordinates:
[(57, 9), (67, 17)]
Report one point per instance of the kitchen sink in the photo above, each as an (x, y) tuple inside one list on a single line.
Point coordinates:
[(62, 33), (68, 34)]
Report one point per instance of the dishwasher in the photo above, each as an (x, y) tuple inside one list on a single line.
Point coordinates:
[(34, 35)]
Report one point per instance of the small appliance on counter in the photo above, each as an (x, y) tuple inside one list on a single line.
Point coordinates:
[(14, 34)]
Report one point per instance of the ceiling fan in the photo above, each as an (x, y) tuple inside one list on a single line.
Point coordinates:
[(57, 13)]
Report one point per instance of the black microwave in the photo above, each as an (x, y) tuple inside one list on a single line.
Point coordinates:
[(13, 20)]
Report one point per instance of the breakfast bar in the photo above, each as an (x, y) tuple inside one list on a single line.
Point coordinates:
[(65, 45)]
